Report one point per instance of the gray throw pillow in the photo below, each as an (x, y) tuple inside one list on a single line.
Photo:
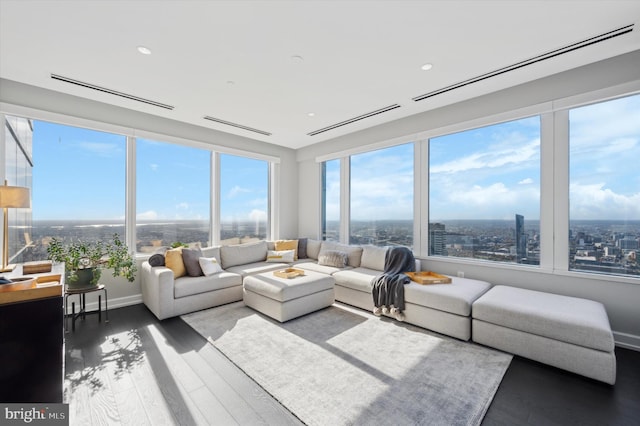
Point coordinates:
[(302, 248), (156, 260), (337, 259), (191, 257)]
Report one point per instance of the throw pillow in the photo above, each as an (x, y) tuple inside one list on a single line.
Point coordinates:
[(288, 245), (156, 260), (173, 260), (280, 256), (302, 248), (209, 265), (190, 258), (337, 259)]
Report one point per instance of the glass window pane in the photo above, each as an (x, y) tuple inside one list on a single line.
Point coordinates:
[(604, 187), (382, 197), (331, 200), (78, 185), (484, 193), (173, 190), (244, 199)]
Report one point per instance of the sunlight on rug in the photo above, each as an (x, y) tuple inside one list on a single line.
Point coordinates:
[(342, 366)]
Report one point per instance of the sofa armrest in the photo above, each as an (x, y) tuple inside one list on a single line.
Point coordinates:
[(157, 290)]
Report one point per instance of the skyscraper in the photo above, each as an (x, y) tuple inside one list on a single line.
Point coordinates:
[(521, 239), (437, 243)]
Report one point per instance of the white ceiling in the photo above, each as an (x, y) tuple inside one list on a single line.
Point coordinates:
[(236, 60)]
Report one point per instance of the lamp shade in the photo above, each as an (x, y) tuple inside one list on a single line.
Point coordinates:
[(14, 197)]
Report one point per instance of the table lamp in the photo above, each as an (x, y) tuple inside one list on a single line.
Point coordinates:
[(11, 197)]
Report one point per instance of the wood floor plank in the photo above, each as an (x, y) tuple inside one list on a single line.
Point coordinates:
[(211, 408)]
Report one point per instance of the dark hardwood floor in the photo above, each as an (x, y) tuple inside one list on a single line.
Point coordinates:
[(138, 370)]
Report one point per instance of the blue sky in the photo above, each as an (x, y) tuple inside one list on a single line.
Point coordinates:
[(80, 174), (487, 173)]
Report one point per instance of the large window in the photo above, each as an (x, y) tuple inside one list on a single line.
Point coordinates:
[(78, 185), (484, 193), (331, 200), (381, 202), (173, 195), (604, 190), (244, 199)]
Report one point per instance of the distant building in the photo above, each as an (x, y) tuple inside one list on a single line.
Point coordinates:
[(521, 239), (437, 239)]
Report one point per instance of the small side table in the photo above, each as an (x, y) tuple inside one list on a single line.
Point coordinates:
[(81, 293)]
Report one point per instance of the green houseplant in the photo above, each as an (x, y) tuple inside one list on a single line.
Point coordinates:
[(85, 260)]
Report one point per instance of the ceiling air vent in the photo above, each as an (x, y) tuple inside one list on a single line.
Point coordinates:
[(552, 54), (239, 126), (354, 119), (111, 92)]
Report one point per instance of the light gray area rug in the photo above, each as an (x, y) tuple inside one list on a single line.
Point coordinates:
[(343, 366)]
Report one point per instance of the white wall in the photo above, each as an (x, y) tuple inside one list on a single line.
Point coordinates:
[(621, 299)]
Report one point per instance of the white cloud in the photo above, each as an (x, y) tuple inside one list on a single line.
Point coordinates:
[(182, 206), (154, 167), (258, 215), (594, 201), (526, 181), (148, 215), (237, 190), (99, 148)]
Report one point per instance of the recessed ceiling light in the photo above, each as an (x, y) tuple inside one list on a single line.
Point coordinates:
[(297, 58), (426, 67), (144, 50), (231, 82), (311, 114)]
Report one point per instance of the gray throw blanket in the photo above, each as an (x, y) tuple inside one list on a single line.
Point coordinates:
[(388, 288)]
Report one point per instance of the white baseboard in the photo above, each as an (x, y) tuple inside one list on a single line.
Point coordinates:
[(119, 302), (628, 341)]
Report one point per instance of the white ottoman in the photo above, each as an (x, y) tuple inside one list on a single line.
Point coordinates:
[(566, 332), (287, 298)]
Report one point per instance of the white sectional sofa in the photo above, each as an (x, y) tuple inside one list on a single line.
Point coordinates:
[(573, 334)]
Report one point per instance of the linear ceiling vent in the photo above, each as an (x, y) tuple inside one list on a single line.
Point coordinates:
[(239, 126), (111, 92), (552, 54), (354, 119)]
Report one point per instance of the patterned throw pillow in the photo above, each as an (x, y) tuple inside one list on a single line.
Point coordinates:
[(337, 259), (282, 256), (209, 265)]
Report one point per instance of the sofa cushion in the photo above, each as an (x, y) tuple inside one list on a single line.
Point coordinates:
[(209, 265), (173, 260), (313, 266), (373, 257), (357, 278), (241, 254), (256, 268), (190, 258), (456, 297), (282, 245), (335, 258), (354, 253), (313, 248), (187, 286), (575, 320), (282, 256), (211, 252)]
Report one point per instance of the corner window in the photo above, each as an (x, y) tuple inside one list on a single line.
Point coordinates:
[(331, 200), (484, 193)]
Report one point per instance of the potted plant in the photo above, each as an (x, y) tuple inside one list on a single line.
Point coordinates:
[(85, 260)]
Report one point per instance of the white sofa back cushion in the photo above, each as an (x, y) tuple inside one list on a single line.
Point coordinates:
[(313, 248), (242, 254), (354, 253), (211, 252), (373, 257)]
